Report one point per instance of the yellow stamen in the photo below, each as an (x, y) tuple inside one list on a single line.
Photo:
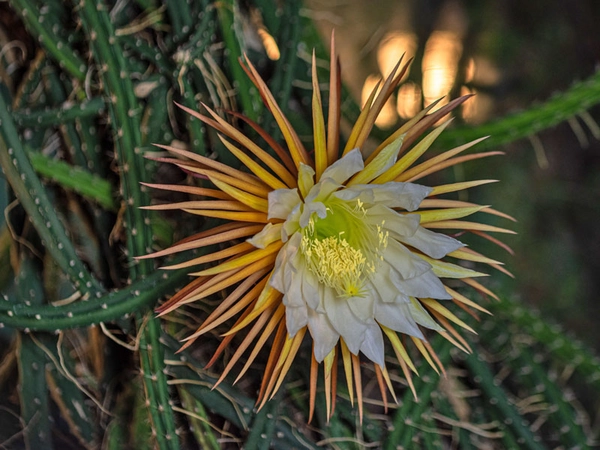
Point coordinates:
[(336, 264), (342, 250)]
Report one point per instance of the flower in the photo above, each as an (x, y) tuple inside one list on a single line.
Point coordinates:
[(346, 247)]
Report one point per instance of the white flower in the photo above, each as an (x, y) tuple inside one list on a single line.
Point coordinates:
[(345, 269)]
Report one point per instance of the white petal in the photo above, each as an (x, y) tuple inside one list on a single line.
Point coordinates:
[(293, 281), (362, 307), (404, 262), (345, 167), (352, 193), (398, 317), (372, 345), (292, 277), (426, 285), (344, 321), (295, 319), (398, 224), (306, 179), (282, 202), (422, 317), (324, 335), (393, 194), (282, 272), (386, 290), (310, 208), (269, 234), (322, 294), (322, 190), (291, 225), (435, 245), (311, 290)]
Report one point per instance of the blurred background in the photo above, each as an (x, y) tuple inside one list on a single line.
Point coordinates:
[(512, 55)]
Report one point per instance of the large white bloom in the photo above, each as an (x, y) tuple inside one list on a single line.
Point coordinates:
[(337, 244), (345, 267)]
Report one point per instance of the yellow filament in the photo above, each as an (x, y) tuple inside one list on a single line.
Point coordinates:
[(342, 250), (336, 264)]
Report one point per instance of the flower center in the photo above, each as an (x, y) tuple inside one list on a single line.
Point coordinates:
[(341, 249)]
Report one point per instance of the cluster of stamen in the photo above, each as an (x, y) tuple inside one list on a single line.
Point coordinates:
[(342, 250)]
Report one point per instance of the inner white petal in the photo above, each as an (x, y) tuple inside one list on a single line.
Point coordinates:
[(351, 163), (393, 194), (404, 263), (362, 307), (435, 245), (385, 289), (426, 285), (396, 223), (306, 179), (269, 234), (310, 208), (322, 190), (311, 289), (291, 225), (282, 202)]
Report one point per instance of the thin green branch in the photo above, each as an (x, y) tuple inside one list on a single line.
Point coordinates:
[(32, 196), (110, 307), (560, 107), (45, 34), (67, 112), (74, 178)]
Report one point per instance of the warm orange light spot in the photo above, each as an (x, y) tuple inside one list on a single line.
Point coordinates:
[(478, 108), (480, 71), (409, 100), (392, 47), (470, 70), (440, 64)]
